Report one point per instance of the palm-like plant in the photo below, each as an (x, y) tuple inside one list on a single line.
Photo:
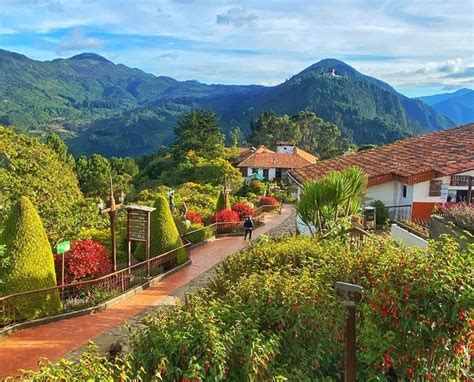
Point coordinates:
[(332, 200)]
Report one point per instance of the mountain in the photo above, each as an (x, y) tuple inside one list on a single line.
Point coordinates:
[(108, 108), (457, 106)]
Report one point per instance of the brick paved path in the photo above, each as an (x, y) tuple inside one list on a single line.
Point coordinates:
[(56, 339)]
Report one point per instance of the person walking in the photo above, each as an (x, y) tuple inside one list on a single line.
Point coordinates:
[(248, 225)]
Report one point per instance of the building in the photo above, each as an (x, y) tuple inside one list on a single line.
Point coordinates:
[(418, 172), (272, 165)]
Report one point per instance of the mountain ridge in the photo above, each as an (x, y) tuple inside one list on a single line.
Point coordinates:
[(100, 106)]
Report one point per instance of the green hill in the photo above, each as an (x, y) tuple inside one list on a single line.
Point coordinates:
[(111, 109)]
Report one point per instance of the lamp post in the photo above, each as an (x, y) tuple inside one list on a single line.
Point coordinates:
[(112, 211), (351, 294)]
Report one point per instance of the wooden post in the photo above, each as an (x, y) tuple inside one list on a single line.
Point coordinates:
[(112, 215), (129, 243), (350, 356), (469, 191), (62, 277), (148, 237)]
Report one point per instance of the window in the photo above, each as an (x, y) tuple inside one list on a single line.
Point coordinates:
[(404, 191)]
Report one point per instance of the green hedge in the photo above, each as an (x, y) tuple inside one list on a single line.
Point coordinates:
[(198, 233), (31, 263)]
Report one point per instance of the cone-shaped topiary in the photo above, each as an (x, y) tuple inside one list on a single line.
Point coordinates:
[(223, 202), (164, 234), (31, 262)]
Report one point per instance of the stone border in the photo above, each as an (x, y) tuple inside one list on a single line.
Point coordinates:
[(93, 309)]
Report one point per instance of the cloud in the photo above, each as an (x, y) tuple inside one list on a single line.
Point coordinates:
[(78, 41), (238, 17), (169, 56)]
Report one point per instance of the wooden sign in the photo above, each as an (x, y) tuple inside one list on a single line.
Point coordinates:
[(460, 180), (435, 187), (138, 225)]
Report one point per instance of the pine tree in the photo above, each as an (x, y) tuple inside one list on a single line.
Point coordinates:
[(31, 263), (164, 234)]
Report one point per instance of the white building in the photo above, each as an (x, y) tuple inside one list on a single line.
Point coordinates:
[(413, 175), (272, 165)]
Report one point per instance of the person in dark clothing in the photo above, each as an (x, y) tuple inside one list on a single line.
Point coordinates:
[(248, 225)]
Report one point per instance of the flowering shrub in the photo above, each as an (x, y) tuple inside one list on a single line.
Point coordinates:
[(459, 213), (87, 259), (227, 220), (267, 201), (256, 186), (194, 217), (243, 209)]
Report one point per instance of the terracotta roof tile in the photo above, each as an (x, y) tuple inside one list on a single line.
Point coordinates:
[(270, 159), (411, 160)]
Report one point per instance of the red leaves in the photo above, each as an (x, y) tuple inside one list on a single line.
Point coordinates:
[(194, 217), (243, 209), (267, 201), (87, 259)]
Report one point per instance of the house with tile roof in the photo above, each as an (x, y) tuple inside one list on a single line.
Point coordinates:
[(418, 172), (273, 165)]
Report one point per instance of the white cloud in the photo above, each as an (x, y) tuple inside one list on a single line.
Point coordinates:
[(238, 17), (78, 41)]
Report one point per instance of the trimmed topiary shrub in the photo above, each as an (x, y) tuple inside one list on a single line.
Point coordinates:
[(164, 234), (31, 262), (243, 209), (223, 203), (198, 233), (87, 259)]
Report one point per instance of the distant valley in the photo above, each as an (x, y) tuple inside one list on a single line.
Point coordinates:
[(114, 110)]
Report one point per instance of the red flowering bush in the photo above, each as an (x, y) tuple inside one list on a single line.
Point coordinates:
[(87, 259), (227, 220), (194, 217), (243, 209), (267, 201)]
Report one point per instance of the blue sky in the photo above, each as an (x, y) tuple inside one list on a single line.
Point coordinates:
[(418, 46)]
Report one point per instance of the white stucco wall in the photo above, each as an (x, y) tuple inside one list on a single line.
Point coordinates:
[(391, 194), (271, 173), (284, 149), (407, 238), (421, 190)]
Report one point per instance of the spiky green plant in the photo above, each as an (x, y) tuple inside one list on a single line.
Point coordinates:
[(31, 262), (334, 198)]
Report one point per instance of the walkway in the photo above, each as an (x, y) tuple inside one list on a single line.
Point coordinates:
[(56, 339)]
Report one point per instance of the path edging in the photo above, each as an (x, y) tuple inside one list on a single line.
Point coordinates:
[(93, 309)]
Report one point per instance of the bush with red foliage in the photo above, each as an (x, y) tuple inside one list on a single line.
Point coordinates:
[(227, 220), (243, 209), (87, 259), (194, 217), (268, 201)]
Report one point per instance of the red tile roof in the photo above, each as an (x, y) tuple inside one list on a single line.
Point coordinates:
[(264, 158), (410, 161)]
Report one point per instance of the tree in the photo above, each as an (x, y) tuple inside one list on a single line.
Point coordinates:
[(164, 234), (58, 145), (199, 131), (326, 206), (31, 168), (236, 136), (223, 202), (94, 175), (31, 262)]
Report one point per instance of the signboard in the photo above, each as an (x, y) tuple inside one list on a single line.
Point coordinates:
[(460, 180), (64, 246), (435, 187), (138, 225), (444, 192)]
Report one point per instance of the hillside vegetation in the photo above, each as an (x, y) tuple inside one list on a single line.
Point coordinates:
[(114, 110)]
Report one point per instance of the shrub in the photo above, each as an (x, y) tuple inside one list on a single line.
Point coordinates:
[(381, 212), (164, 234), (194, 217), (267, 201), (223, 202), (460, 214), (87, 259), (256, 187), (197, 233), (31, 262), (243, 209), (229, 217)]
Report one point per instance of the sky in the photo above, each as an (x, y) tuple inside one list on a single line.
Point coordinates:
[(420, 47)]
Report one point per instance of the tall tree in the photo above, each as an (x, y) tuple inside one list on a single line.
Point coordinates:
[(58, 145), (199, 131), (94, 175)]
